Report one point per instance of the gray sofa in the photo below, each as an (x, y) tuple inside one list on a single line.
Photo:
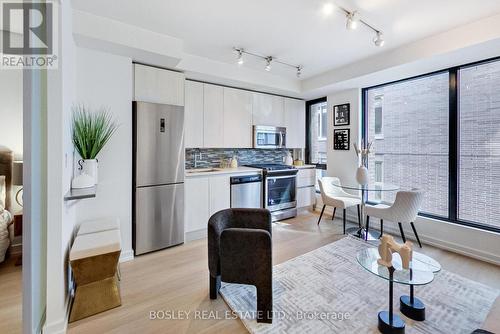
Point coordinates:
[(240, 251)]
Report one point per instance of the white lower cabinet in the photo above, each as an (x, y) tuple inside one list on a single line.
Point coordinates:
[(306, 190), (306, 196), (196, 203), (204, 196), (220, 193)]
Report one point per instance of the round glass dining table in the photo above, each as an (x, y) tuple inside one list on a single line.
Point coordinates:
[(361, 231)]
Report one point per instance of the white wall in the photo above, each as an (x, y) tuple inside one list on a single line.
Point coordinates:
[(340, 163), (469, 241), (106, 80), (60, 214), (11, 111)]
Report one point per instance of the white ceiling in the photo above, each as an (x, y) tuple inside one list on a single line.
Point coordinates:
[(295, 31)]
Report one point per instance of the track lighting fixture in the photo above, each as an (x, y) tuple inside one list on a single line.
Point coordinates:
[(240, 56), (268, 63), (378, 40), (352, 20), (240, 52)]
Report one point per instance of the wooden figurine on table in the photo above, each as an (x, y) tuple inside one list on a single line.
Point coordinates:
[(388, 246)]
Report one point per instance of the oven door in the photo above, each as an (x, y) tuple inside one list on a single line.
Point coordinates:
[(269, 137), (280, 192)]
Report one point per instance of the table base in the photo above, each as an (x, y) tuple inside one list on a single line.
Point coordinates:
[(361, 233), (385, 326), (415, 310)]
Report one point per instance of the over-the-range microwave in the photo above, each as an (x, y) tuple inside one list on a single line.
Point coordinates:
[(269, 136)]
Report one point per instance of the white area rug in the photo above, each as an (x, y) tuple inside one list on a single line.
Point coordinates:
[(327, 281)]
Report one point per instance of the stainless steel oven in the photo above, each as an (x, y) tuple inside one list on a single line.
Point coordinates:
[(269, 136), (280, 190)]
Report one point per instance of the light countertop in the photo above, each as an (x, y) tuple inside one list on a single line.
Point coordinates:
[(221, 171), (305, 167)]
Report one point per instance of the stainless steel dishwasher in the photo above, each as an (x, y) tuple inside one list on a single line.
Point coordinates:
[(246, 191)]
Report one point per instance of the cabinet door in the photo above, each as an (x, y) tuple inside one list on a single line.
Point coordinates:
[(196, 203), (295, 123), (156, 85), (267, 110), (213, 118), (193, 111), (220, 193), (306, 196), (237, 118)]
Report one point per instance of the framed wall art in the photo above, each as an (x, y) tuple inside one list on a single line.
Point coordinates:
[(341, 114), (341, 139)]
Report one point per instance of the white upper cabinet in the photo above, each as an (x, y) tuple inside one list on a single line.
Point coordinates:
[(157, 85), (193, 114), (295, 123), (268, 110), (214, 118), (237, 118)]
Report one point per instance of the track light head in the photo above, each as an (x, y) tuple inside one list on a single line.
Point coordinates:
[(378, 40), (239, 53), (299, 71), (268, 63), (352, 20)]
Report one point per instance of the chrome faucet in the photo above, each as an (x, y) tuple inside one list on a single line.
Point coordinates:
[(197, 158)]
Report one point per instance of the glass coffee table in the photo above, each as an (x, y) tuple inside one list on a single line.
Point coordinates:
[(361, 231), (421, 272)]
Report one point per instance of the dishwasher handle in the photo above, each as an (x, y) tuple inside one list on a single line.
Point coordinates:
[(245, 179)]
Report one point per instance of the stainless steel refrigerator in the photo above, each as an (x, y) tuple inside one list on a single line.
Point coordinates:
[(158, 176)]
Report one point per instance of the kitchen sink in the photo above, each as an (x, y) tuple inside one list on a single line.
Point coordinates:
[(203, 170)]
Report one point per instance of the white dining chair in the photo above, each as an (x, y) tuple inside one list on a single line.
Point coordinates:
[(404, 210), (334, 196)]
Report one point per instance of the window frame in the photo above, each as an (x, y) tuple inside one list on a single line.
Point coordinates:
[(454, 140), (308, 131)]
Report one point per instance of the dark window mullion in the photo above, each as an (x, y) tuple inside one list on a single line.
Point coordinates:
[(453, 146)]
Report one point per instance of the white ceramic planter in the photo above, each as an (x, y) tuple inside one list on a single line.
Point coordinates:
[(89, 167)]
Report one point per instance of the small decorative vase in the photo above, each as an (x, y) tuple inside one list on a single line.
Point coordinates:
[(362, 175), (89, 167)]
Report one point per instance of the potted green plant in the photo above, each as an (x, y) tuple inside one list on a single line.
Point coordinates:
[(90, 132)]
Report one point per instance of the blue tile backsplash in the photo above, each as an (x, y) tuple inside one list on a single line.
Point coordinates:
[(212, 157)]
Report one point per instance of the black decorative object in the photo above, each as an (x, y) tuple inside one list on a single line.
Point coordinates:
[(411, 306), (341, 114), (388, 322), (341, 139)]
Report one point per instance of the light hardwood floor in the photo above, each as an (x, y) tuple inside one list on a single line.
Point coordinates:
[(10, 296), (177, 279)]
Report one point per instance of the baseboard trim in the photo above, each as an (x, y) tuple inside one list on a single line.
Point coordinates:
[(60, 326), (127, 255), (195, 235), (426, 239)]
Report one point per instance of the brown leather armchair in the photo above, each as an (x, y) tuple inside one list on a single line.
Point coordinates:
[(240, 251)]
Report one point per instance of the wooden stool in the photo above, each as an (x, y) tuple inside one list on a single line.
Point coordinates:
[(94, 258)]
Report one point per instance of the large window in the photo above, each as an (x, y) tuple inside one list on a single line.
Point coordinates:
[(317, 133), (440, 132), (479, 158), (414, 145)]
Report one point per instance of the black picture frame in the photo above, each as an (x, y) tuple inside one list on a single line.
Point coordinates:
[(342, 114), (342, 139)]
